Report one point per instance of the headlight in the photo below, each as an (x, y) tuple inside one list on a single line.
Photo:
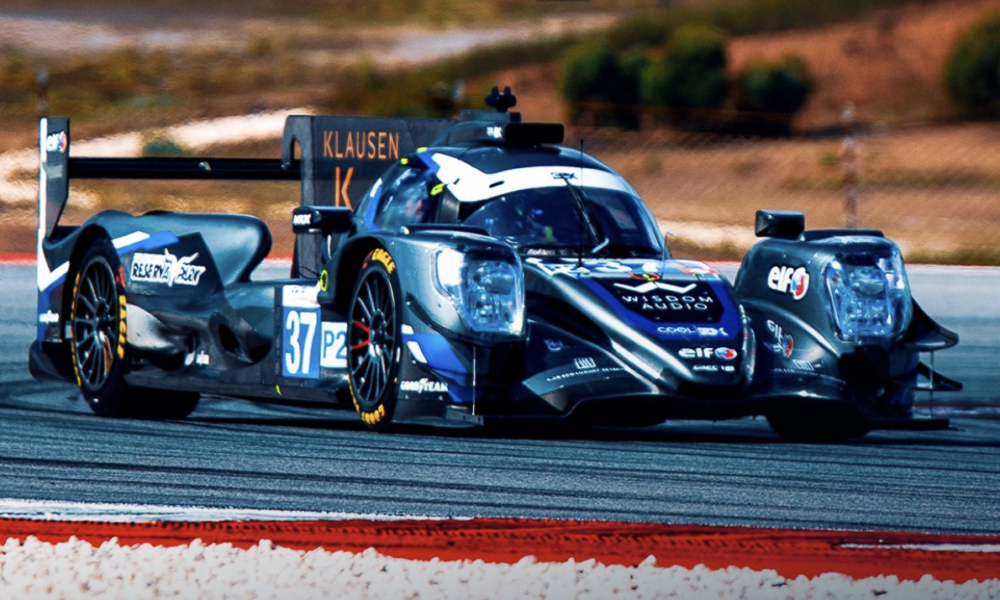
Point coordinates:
[(488, 292), (869, 296)]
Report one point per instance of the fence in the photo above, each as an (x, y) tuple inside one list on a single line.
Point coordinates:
[(935, 190)]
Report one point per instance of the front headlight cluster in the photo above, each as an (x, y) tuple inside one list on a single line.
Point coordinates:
[(488, 291), (869, 296)]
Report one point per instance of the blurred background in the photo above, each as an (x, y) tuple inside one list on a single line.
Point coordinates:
[(877, 113)]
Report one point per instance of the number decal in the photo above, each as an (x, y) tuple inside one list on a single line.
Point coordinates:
[(334, 354), (300, 343), (293, 352)]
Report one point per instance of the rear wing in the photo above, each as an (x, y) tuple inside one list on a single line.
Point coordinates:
[(335, 159)]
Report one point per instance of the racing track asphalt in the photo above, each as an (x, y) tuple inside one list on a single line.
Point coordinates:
[(233, 453)]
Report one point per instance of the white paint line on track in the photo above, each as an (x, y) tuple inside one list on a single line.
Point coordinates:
[(48, 510), (983, 548)]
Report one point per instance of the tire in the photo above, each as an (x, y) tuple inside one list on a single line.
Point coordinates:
[(820, 424), (100, 352), (374, 341)]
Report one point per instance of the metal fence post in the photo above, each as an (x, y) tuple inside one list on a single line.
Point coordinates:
[(849, 164)]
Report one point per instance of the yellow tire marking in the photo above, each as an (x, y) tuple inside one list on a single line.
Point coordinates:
[(385, 258)]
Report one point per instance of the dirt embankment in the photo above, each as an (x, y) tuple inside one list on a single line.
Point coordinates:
[(890, 65)]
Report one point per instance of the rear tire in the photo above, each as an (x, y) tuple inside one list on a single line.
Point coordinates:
[(99, 324), (373, 334), (99, 348)]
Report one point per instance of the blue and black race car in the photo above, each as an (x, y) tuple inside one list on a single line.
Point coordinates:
[(485, 274)]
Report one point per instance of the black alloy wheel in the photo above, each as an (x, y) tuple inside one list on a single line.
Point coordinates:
[(374, 338)]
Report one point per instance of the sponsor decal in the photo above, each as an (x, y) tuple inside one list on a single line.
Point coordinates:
[(726, 353), (554, 345), (380, 255), (803, 365), (783, 342), (713, 368), (789, 280), (361, 145), (712, 353), (49, 317), (56, 142), (660, 301), (570, 266), (166, 268), (644, 276), (693, 330), (299, 296), (584, 373), (301, 219), (495, 132), (654, 285), (424, 386), (583, 364), (324, 280), (563, 175), (201, 359)]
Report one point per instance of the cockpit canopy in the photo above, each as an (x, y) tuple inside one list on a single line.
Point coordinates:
[(540, 210)]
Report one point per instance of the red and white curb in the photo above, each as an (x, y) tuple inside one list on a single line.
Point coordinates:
[(75, 550)]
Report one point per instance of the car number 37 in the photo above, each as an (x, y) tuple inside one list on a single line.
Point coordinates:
[(306, 350)]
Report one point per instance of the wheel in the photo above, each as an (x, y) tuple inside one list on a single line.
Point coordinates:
[(99, 324), (100, 353), (373, 335), (819, 424)]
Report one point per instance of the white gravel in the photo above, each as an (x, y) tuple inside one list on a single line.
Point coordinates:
[(75, 569)]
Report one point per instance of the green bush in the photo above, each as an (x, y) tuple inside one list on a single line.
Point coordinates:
[(972, 72), (601, 86), (690, 80), (769, 94)]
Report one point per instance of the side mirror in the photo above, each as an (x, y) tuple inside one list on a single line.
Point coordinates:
[(784, 224), (321, 219)]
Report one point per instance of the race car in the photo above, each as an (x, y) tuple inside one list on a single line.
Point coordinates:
[(485, 275)]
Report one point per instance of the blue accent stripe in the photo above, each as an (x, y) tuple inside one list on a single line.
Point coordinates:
[(438, 352)]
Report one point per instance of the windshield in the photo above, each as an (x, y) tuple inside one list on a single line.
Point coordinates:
[(548, 220)]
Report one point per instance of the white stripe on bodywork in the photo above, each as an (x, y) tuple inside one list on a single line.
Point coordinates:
[(42, 266), (469, 184), (132, 238)]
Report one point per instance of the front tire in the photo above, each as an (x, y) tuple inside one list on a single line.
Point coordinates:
[(373, 334)]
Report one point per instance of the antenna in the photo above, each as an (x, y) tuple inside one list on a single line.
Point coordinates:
[(579, 254)]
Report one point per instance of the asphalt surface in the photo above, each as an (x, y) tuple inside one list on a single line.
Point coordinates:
[(233, 453)]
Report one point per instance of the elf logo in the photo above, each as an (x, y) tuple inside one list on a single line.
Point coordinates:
[(56, 142), (789, 280), (718, 353)]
